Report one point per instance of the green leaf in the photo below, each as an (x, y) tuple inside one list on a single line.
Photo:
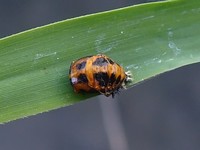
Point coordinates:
[(146, 39)]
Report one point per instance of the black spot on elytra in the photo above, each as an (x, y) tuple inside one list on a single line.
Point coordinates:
[(82, 78), (102, 78), (100, 62), (81, 65), (110, 61), (112, 79), (118, 79)]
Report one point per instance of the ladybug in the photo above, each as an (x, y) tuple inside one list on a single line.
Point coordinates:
[(98, 73)]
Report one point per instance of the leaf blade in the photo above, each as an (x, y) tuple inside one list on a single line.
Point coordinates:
[(147, 39)]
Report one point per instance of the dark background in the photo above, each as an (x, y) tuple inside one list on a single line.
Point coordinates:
[(159, 114)]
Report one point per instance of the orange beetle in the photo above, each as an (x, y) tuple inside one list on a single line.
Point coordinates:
[(98, 73)]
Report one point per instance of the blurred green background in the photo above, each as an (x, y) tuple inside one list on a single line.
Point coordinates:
[(159, 114)]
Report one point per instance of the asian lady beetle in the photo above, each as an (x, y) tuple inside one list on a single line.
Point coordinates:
[(98, 73)]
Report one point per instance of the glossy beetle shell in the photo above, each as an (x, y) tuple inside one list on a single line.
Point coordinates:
[(97, 73)]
